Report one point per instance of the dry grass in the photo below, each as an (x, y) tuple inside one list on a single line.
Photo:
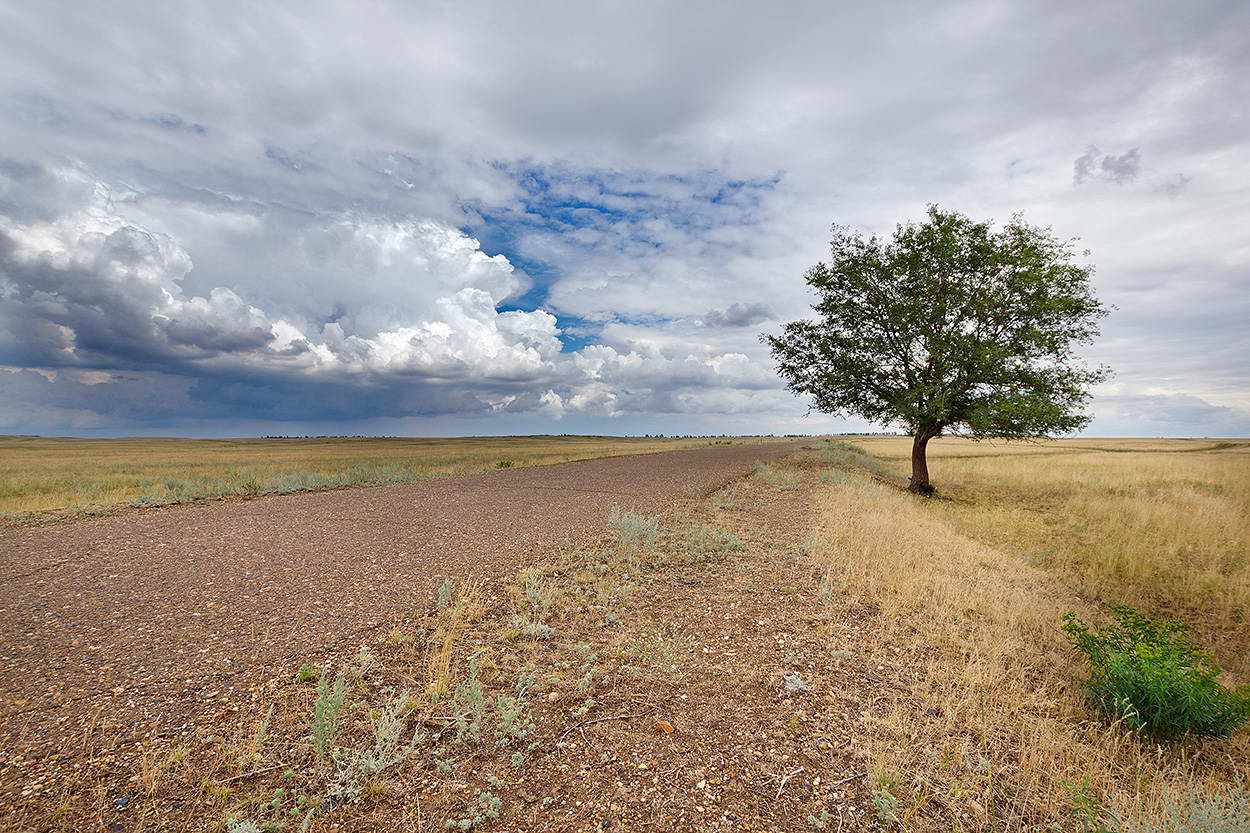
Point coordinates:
[(990, 721), (38, 474), (1161, 524), (465, 607)]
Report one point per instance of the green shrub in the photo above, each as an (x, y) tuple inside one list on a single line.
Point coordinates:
[(308, 673), (326, 711), (1150, 674)]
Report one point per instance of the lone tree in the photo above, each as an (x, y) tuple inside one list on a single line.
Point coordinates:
[(950, 327)]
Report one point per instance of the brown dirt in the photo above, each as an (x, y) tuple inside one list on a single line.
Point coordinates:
[(686, 722), (745, 753), (147, 622)]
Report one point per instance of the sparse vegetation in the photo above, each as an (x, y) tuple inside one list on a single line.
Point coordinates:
[(452, 619), (307, 673), (514, 721), (634, 532), (885, 805), (443, 597), (485, 808), (46, 474), (702, 543), (468, 706), (539, 596), (354, 768), (1222, 810)]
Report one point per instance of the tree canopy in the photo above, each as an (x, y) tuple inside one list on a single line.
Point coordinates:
[(951, 326)]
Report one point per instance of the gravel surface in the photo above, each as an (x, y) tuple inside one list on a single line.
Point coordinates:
[(157, 614)]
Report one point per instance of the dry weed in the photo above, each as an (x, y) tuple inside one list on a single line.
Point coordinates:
[(467, 606)]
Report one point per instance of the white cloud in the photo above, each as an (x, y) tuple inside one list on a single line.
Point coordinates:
[(88, 289), (108, 292)]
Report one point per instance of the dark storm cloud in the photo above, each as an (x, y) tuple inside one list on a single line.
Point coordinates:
[(109, 306), (70, 400)]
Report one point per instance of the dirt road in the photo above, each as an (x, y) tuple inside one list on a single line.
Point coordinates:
[(149, 618)]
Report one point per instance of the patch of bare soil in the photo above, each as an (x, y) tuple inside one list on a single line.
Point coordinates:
[(692, 675)]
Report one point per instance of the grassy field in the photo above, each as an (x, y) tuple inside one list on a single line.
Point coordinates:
[(969, 590), (43, 474), (1163, 524)]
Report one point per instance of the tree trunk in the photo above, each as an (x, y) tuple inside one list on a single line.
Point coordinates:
[(919, 464)]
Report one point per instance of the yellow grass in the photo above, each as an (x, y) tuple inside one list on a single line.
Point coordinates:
[(464, 608), (1163, 524), (39, 474), (990, 720)]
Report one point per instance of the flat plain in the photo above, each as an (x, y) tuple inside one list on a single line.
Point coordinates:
[(747, 637), (47, 476)]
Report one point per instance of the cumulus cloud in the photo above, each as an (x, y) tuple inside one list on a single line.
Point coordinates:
[(419, 331), (89, 289)]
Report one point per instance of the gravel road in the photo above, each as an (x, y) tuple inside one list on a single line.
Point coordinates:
[(158, 613)]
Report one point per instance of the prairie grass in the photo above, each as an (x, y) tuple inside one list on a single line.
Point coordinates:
[(992, 721), (38, 474), (1160, 524)]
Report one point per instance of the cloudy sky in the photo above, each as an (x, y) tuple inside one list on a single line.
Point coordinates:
[(464, 217)]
